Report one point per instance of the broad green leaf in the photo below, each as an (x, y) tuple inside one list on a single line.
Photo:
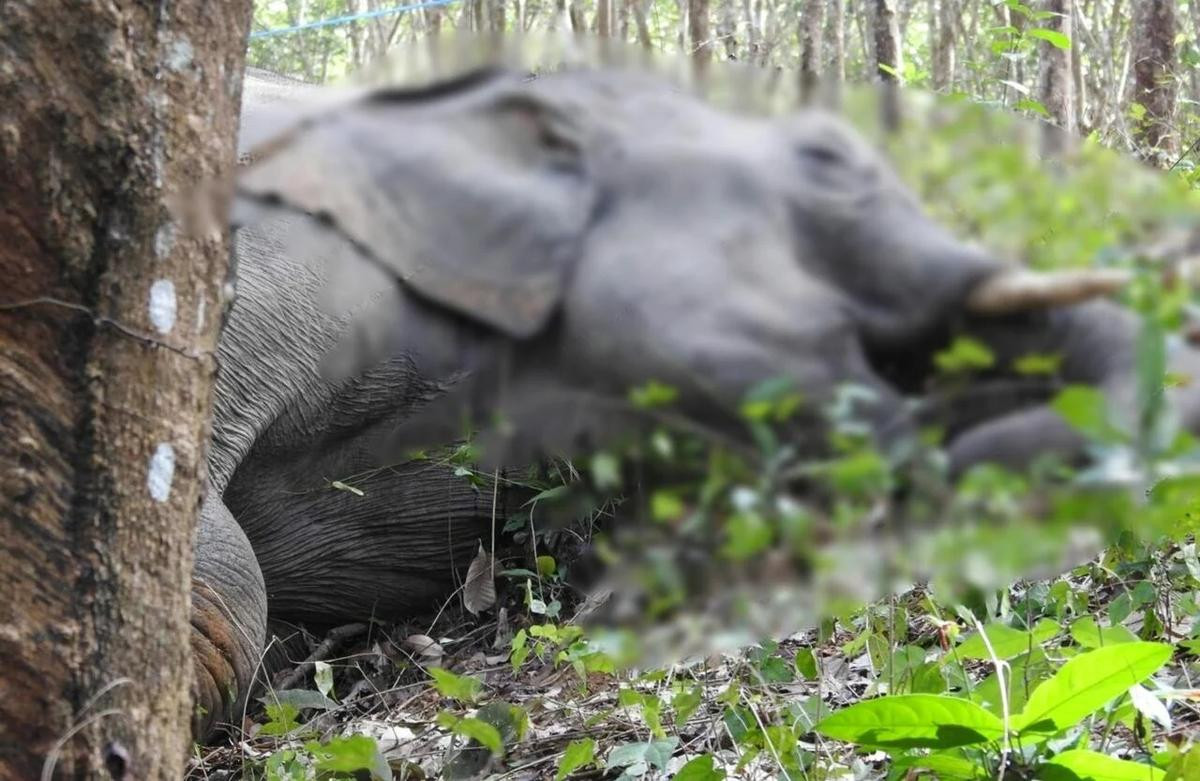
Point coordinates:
[(547, 566), (348, 755), (463, 688), (1024, 674), (579, 754), (1006, 641), (685, 702), (1086, 765), (1052, 37), (1086, 683), (948, 767), (1089, 634), (478, 729), (806, 664), (913, 721), (1086, 410), (700, 769)]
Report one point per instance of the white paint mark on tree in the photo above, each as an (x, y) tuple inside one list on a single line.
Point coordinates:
[(161, 472), (162, 305), (179, 54), (164, 240)]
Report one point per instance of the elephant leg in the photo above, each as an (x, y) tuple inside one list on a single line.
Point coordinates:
[(229, 618)]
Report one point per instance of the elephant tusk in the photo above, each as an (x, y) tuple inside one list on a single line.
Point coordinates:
[(1018, 291)]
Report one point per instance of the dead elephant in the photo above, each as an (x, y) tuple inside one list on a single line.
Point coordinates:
[(584, 232)]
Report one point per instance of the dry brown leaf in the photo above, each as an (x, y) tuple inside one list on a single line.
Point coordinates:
[(424, 649), (479, 592)]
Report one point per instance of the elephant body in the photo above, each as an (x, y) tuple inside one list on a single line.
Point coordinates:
[(500, 247)]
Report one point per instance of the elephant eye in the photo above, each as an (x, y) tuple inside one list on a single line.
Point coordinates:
[(822, 155)]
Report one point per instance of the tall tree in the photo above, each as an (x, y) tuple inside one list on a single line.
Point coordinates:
[(1056, 85), (109, 317), (812, 25), (943, 22), (837, 41), (1154, 80), (698, 30), (886, 33)]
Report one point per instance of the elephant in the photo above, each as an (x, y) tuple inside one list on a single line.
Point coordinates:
[(496, 246)]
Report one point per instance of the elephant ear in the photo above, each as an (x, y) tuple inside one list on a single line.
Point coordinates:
[(474, 195)]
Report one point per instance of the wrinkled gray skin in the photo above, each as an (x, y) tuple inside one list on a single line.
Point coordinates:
[(559, 241)]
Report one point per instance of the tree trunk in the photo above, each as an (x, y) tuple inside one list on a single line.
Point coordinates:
[(943, 21), (886, 31), (698, 31), (1154, 79), (888, 63), (114, 270), (1056, 85), (837, 37), (812, 24), (604, 18), (643, 27)]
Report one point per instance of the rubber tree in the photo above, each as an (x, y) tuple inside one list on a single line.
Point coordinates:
[(117, 133)]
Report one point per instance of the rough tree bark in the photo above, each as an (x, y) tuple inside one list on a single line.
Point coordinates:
[(888, 62), (812, 24), (1154, 81), (886, 32), (837, 40), (109, 315), (698, 31), (1056, 84), (943, 22)]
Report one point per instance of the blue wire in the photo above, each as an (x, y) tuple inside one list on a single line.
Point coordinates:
[(351, 18)]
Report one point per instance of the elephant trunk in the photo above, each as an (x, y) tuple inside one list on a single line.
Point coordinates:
[(229, 618)]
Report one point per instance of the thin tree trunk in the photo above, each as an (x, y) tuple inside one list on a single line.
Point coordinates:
[(888, 63), (1154, 80), (1056, 85), (943, 23), (698, 34), (604, 20), (812, 24), (109, 313), (643, 28), (837, 37), (886, 32)]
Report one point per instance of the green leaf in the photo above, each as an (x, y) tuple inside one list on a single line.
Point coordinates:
[(1035, 106), (806, 664), (281, 719), (1006, 641), (964, 355), (948, 767), (579, 754), (685, 702), (477, 729), (666, 505), (1052, 37), (1086, 765), (349, 755), (656, 753), (1086, 410), (653, 394), (1086, 683), (463, 688), (1089, 634), (1032, 364), (913, 721), (700, 769), (546, 565)]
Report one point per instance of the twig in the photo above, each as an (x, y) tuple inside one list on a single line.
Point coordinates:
[(320, 653)]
